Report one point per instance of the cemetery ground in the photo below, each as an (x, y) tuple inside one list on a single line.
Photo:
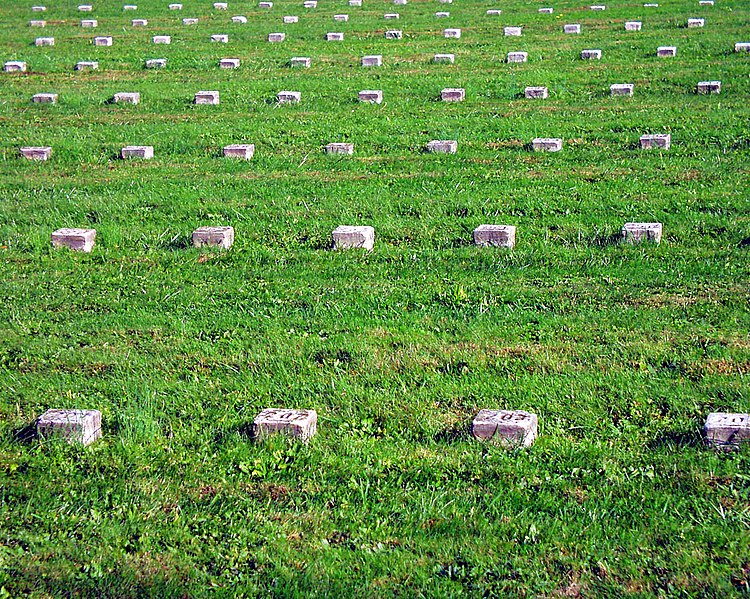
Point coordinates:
[(622, 350)]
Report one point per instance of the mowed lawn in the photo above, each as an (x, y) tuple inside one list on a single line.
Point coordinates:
[(621, 350)]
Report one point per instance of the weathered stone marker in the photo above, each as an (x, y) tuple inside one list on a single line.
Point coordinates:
[(37, 23), (242, 151), (452, 33), (340, 148), (535, 92), (87, 65), (390, 16), (445, 58), (727, 431), (85, 8), (708, 87), (301, 424), (38, 8), (495, 235), (220, 38), (300, 62), (355, 2), (696, 23), (291, 19), (265, 4), (162, 39), (546, 10), (574, 28), (276, 37), (375, 60), (75, 426), (621, 89), (89, 23), (334, 36), (222, 237), (706, 3), (190, 21), (400, 2), (346, 237), (14, 66), (44, 98), (650, 5), (287, 97), (394, 34), (517, 56), (664, 51), (239, 20), (371, 96), (127, 98), (44, 41), (512, 428), (633, 25), (453, 94), (104, 41), (145, 152), (156, 63), (493, 12), (207, 97), (592, 54), (139, 23), (79, 240), (229, 63), (662, 141), (598, 7), (175, 6), (513, 31), (130, 7), (638, 232), (310, 4), (221, 5), (547, 144), (442, 14), (742, 47), (36, 152), (442, 146), (341, 18)]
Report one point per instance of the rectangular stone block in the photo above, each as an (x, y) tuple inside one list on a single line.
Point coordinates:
[(696, 23), (175, 6), (727, 431), (535, 92), (650, 5), (87, 65), (547, 144), (220, 6), (633, 25), (334, 36), (79, 240), (36, 153), (38, 8), (372, 96), (340, 148), (495, 235), (546, 10), (300, 61), (394, 34), (493, 12), (376, 60), (243, 151), (445, 1), (37, 23), (572, 28), (453, 94), (130, 7), (190, 21), (512, 31), (391, 16), (127, 98), (145, 152), (341, 18), (512, 428), (621, 89), (276, 37), (742, 47), (156, 63), (664, 51), (638, 232), (222, 237), (706, 3), (517, 56), (89, 23), (452, 33), (287, 97), (291, 19), (708, 87), (442, 146), (355, 2), (400, 2), (598, 7), (44, 41), (103, 41), (207, 97), (346, 237), (74, 426), (447, 58), (656, 140), (301, 424), (229, 63), (265, 4), (591, 54), (162, 39), (14, 66), (44, 98), (85, 8), (239, 20), (139, 23), (310, 4), (220, 38), (442, 15)]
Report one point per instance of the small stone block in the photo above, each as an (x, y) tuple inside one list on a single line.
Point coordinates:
[(535, 92), (742, 47), (400, 2), (727, 431), (44, 41), (90, 23), (598, 7), (127, 98), (546, 10), (494, 12), (372, 96), (36, 153), (44, 98), (335, 36), (156, 63), (391, 16), (310, 4), (663, 51), (347, 237), (512, 428), (38, 8), (452, 33), (591, 54), (572, 28), (650, 5), (448, 58), (239, 20), (145, 152), (190, 21), (394, 34), (287, 97), (445, 1), (340, 148), (291, 19), (442, 146), (175, 6), (75, 426), (637, 232), (300, 61), (341, 18), (87, 65), (453, 94), (442, 15), (220, 5), (222, 237), (696, 23), (517, 56), (657, 140), (139, 23), (79, 240), (547, 144), (37, 23), (85, 8), (103, 41), (633, 25), (706, 3), (512, 31), (162, 39), (355, 2), (14, 66), (708, 87), (207, 97), (220, 38), (496, 235), (276, 37), (130, 7), (301, 424), (265, 4), (621, 89), (375, 60), (229, 63), (243, 151)]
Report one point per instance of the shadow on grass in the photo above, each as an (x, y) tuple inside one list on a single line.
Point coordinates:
[(745, 243), (605, 240), (454, 434), (179, 242), (676, 440), (26, 434)]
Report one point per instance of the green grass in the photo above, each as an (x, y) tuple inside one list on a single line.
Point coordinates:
[(621, 350)]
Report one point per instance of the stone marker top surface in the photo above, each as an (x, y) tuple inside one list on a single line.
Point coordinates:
[(511, 427), (76, 426), (297, 423), (726, 430), (68, 231)]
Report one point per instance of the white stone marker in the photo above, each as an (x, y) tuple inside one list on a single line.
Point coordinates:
[(371, 96), (375, 60), (572, 28), (243, 151), (310, 4), (400, 2), (708, 87), (44, 41), (453, 94), (265, 4), (127, 98), (391, 16), (207, 97), (162, 39), (36, 153), (87, 65), (287, 97), (190, 21), (535, 92), (37, 23), (38, 8), (650, 5), (442, 146), (449, 58), (727, 430), (15, 66), (452, 33), (220, 5), (300, 61), (706, 3), (742, 47), (276, 37), (222, 237), (547, 144), (517, 56), (598, 7), (144, 152), (394, 34), (341, 18), (496, 235), (696, 23), (80, 240), (633, 25), (621, 89), (591, 54), (546, 10), (175, 6), (220, 38), (229, 63), (637, 232), (85, 8), (512, 31), (340, 148), (139, 23), (44, 98), (301, 424), (156, 63), (334, 36), (442, 15), (103, 41), (75, 426), (493, 12), (291, 19), (355, 2), (512, 428), (130, 7), (346, 237), (239, 20), (663, 51), (90, 23), (662, 141)]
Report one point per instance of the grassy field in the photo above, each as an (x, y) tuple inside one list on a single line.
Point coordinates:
[(621, 350)]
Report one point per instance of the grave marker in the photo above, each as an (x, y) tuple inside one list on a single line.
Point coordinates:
[(695, 23), (301, 424), (79, 240), (220, 38), (36, 153), (127, 98), (445, 58), (512, 428), (276, 37), (574, 28), (162, 39), (598, 7), (85, 8), (37, 23), (663, 51), (400, 2), (512, 31), (650, 5), (742, 47), (207, 97), (242, 151), (239, 20), (87, 65), (708, 87), (517, 56), (394, 34), (156, 63), (144, 152), (89, 23), (129, 7), (190, 21), (139, 22), (355, 2), (442, 15), (662, 141), (220, 5), (310, 4), (229, 63), (493, 12), (638, 232), (621, 89), (104, 41), (340, 148), (547, 144), (14, 66), (265, 4), (44, 98), (44, 41), (452, 33), (633, 25), (287, 97), (706, 3), (391, 16), (175, 7), (346, 237), (74, 426), (221, 237), (300, 62), (546, 10), (335, 36), (341, 18), (372, 96), (453, 94), (375, 60), (291, 19), (727, 431), (495, 235), (442, 146), (38, 8), (535, 92)]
